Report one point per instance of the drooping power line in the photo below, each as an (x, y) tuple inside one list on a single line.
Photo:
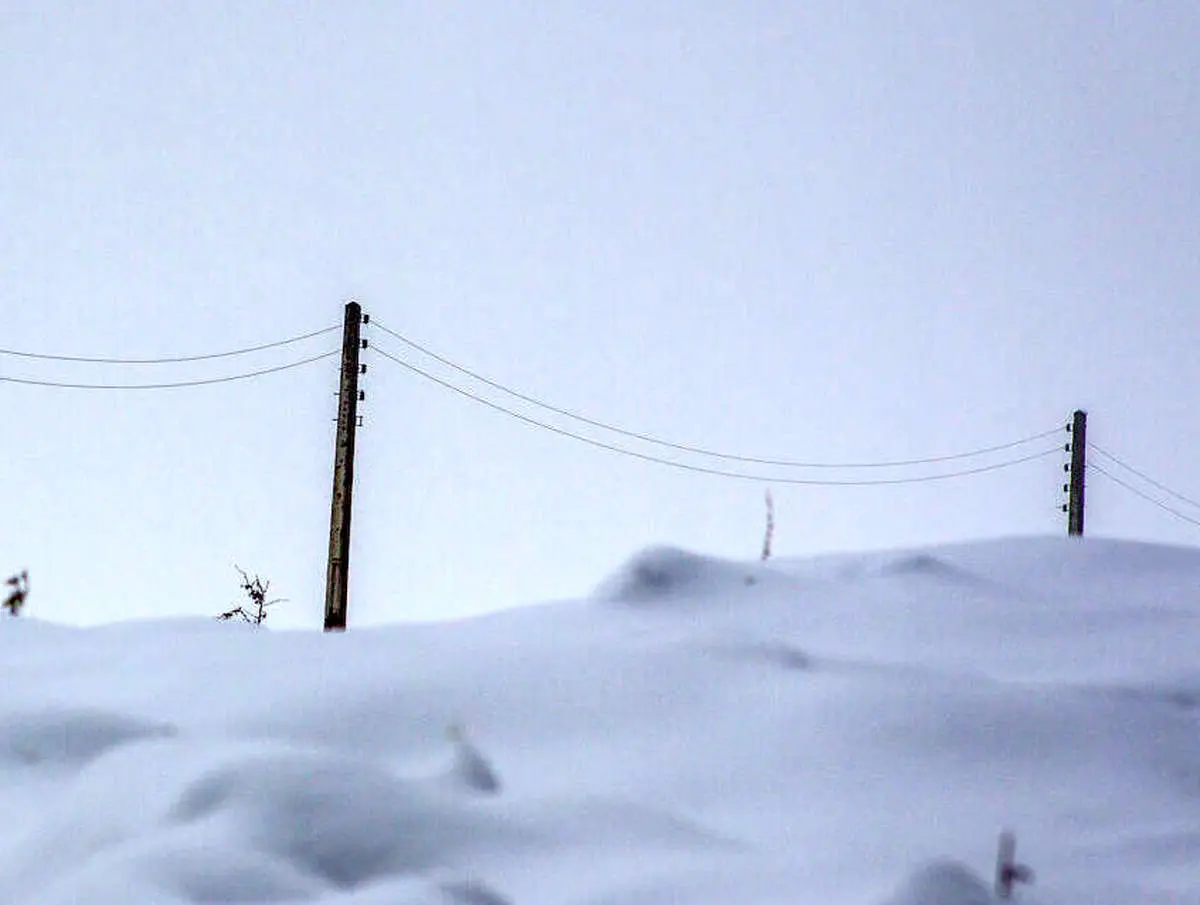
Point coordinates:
[(698, 450), (533, 422), (168, 386), (1145, 477), (1145, 496), (178, 359)]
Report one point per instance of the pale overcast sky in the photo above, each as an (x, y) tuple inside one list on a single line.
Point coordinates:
[(819, 231)]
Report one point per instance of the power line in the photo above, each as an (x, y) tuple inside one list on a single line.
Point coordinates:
[(752, 460), (1145, 477), (167, 386), (1136, 492), (175, 360), (533, 422)]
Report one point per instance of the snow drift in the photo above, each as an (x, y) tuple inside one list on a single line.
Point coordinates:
[(852, 730)]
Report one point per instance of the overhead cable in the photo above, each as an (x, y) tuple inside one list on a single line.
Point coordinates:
[(168, 386), (179, 359), (1145, 496), (533, 422), (698, 450), (1145, 477)]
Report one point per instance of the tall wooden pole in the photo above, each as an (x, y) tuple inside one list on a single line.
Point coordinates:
[(1078, 474), (338, 574)]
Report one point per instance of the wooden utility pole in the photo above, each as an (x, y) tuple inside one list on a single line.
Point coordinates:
[(338, 574), (1078, 473)]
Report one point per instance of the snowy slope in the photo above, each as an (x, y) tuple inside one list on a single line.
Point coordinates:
[(853, 729)]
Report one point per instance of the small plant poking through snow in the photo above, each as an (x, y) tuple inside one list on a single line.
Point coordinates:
[(770, 532), (256, 590), (1008, 872), (19, 585), (471, 767)]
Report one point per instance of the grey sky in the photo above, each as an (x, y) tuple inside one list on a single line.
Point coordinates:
[(818, 231)]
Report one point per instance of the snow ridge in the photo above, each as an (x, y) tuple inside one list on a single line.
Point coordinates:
[(853, 731)]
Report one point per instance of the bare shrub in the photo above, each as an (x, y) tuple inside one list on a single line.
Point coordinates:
[(255, 612), (19, 584)]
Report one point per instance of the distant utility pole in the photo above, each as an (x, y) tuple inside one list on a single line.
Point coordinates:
[(1078, 472), (338, 574)]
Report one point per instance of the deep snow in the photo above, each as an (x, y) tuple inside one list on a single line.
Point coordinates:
[(852, 729)]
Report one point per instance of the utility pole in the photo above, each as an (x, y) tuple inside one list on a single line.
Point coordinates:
[(338, 574), (1078, 470)]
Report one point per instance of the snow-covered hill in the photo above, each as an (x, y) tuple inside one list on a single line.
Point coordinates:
[(854, 729)]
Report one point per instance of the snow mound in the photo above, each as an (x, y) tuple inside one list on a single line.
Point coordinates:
[(216, 873), (752, 733), (927, 571), (339, 819), (69, 738), (778, 654), (470, 892), (942, 883), (174, 822), (662, 574), (925, 564)]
